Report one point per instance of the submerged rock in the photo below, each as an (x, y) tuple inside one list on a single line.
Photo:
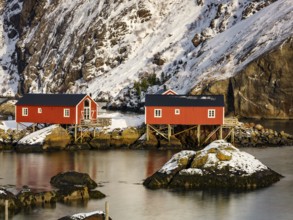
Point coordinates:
[(75, 186), (219, 165), (28, 198), (72, 178)]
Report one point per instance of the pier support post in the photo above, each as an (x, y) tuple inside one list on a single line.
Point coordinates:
[(169, 132), (147, 132), (106, 210), (233, 136), (75, 132), (221, 132), (6, 209), (198, 135)]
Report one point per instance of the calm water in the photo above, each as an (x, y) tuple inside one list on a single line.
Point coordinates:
[(122, 172)]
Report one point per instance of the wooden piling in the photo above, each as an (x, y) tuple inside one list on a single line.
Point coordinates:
[(75, 132), (169, 132), (6, 209), (221, 132), (106, 210), (198, 135), (147, 132)]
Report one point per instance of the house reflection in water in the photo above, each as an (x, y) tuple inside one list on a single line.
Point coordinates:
[(156, 159), (35, 170)]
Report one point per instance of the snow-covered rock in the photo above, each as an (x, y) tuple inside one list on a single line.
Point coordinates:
[(53, 137), (37, 137), (219, 165), (83, 216)]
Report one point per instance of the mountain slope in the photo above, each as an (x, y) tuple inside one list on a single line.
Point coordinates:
[(117, 49)]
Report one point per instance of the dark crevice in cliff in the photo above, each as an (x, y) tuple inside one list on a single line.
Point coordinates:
[(230, 97)]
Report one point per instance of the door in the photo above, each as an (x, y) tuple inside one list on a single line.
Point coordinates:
[(87, 110)]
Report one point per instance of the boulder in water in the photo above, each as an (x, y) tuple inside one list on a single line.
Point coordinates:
[(219, 165), (71, 179)]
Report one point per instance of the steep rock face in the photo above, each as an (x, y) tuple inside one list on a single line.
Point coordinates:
[(263, 89)]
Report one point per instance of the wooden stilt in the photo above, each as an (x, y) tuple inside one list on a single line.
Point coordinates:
[(6, 209), (106, 211), (147, 132), (80, 134), (75, 132), (198, 135), (221, 132), (169, 132), (232, 136)]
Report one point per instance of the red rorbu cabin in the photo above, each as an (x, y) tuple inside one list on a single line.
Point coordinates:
[(56, 109), (184, 109)]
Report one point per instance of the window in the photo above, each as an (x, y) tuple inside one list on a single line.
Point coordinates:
[(66, 112), (177, 111), (158, 113), (40, 110), (211, 113), (24, 111)]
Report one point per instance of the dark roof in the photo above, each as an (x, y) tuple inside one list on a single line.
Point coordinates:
[(184, 100), (51, 99)]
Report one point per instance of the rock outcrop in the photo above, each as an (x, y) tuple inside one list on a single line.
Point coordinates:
[(263, 89), (218, 166), (115, 139), (97, 215), (50, 138), (72, 178), (13, 204), (72, 186)]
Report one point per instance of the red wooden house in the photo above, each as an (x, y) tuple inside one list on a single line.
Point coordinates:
[(184, 110), (56, 109)]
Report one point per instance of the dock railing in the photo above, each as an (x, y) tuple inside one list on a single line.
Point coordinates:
[(99, 122), (231, 122)]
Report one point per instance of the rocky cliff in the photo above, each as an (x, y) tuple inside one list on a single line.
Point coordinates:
[(118, 50), (263, 89)]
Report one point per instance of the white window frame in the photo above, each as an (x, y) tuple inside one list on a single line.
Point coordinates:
[(211, 113), (40, 110), (177, 111), (24, 111), (66, 113), (158, 113)]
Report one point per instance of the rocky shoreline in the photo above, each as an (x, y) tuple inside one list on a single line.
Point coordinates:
[(70, 186), (58, 138)]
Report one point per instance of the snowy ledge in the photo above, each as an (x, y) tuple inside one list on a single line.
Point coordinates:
[(219, 165)]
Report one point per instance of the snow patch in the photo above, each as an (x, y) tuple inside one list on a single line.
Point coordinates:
[(38, 137), (173, 163), (11, 124), (81, 216), (2, 192)]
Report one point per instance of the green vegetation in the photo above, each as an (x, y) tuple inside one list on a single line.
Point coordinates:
[(146, 82)]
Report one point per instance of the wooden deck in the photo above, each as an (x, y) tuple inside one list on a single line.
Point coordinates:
[(230, 122), (99, 122)]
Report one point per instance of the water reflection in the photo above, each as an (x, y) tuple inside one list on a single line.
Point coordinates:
[(122, 173)]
